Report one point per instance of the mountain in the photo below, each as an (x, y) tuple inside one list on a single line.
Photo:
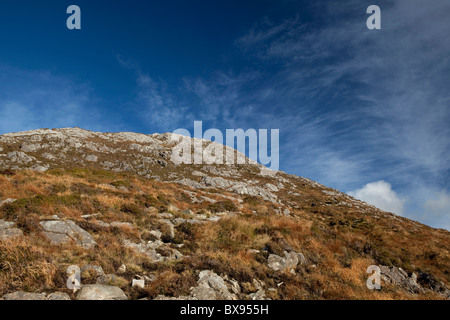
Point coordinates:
[(114, 208)]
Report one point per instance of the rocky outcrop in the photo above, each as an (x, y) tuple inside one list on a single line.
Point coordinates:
[(211, 286), (400, 278), (158, 230), (413, 283), (150, 248), (40, 150), (60, 232)]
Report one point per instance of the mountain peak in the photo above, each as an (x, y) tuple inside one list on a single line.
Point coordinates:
[(117, 201)]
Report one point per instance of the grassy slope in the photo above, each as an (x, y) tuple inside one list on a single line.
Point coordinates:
[(339, 242)]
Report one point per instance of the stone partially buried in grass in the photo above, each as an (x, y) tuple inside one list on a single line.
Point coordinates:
[(60, 232), (7, 231), (101, 292)]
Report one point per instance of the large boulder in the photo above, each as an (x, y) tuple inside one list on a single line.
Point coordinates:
[(59, 232), (101, 292), (287, 263), (211, 286)]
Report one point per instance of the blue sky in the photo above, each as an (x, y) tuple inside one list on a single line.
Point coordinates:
[(363, 111)]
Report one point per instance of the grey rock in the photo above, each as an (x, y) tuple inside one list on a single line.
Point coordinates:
[(7, 201), (6, 225), (211, 286), (301, 259), (259, 295), (39, 168), (58, 296), (181, 298), (57, 238), (92, 158), (276, 262), (393, 275), (235, 287), (271, 187), (203, 293), (403, 272), (287, 263), (20, 295), (291, 260), (8, 234), (20, 157), (156, 233), (101, 292), (410, 285), (59, 232), (30, 147), (399, 277)]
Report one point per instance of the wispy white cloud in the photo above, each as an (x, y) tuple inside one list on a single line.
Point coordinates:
[(353, 105), (391, 112)]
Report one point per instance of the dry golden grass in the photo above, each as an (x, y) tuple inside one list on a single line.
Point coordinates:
[(341, 244)]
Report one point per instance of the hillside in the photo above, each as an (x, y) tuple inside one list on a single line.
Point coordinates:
[(117, 207)]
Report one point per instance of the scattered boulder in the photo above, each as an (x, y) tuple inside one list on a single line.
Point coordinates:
[(101, 292), (59, 232), (6, 225), (20, 295), (211, 286), (287, 263), (20, 157), (39, 168), (156, 233), (92, 158), (400, 278), (8, 232)]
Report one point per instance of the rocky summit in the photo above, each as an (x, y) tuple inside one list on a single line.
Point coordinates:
[(108, 216)]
